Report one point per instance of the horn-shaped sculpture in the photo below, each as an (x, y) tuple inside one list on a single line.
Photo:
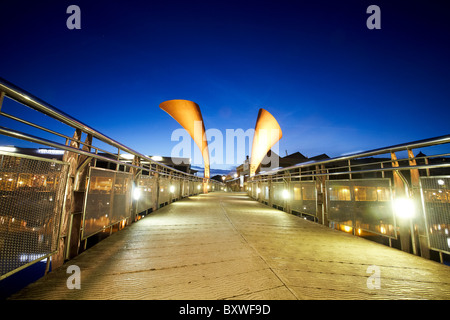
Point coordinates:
[(188, 115), (267, 133)]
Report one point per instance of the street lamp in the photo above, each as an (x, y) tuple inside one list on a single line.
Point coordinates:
[(404, 208)]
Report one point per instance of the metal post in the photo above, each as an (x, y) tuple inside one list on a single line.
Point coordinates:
[(157, 182), (349, 168), (270, 186), (400, 187), (71, 202), (320, 198), (135, 176), (422, 241), (2, 95), (288, 200)]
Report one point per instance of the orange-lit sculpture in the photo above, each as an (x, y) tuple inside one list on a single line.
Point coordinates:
[(188, 115), (267, 133)]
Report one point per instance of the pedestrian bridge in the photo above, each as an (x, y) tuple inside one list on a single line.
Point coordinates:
[(228, 246), (112, 223)]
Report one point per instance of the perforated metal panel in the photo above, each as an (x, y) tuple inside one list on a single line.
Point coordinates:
[(164, 195), (254, 187), (108, 199), (185, 188), (265, 191), (277, 189), (31, 199), (147, 193), (304, 197), (197, 187), (362, 204), (436, 205), (175, 189)]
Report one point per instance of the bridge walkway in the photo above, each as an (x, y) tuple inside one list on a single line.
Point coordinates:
[(227, 246)]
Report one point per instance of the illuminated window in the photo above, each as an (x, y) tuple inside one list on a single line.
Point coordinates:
[(383, 194), (340, 193), (8, 181), (437, 195), (101, 184), (363, 193)]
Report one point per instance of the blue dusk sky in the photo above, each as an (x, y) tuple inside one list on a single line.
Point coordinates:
[(334, 86)]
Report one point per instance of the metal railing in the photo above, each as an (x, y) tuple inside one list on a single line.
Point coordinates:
[(376, 192), (52, 207)]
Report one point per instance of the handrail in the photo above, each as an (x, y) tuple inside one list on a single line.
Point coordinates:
[(28, 137), (399, 147), (434, 166), (14, 92)]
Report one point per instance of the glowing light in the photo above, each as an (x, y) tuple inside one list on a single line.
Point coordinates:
[(172, 189), (127, 156), (258, 190), (404, 208), (440, 182), (28, 257), (347, 228), (8, 149), (50, 151), (136, 193), (285, 194)]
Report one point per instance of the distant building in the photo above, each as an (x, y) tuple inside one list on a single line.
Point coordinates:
[(283, 162), (218, 177), (271, 161)]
